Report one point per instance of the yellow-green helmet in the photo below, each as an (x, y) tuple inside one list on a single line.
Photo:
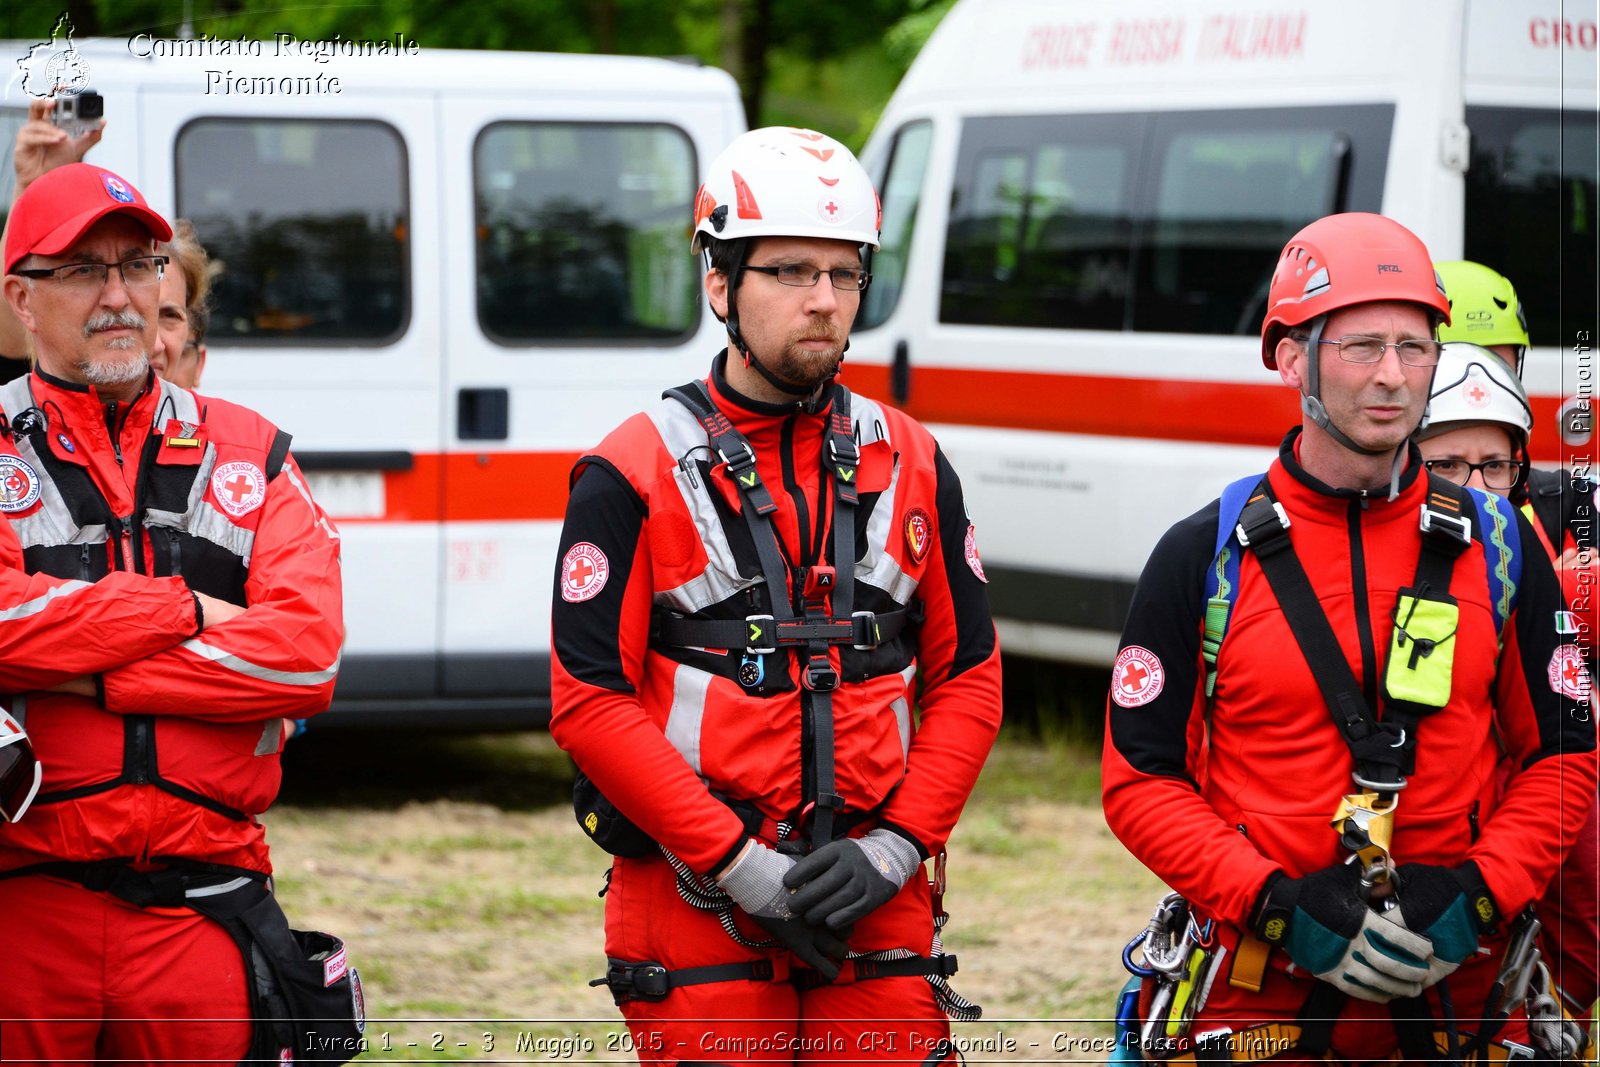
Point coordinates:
[(1483, 307)]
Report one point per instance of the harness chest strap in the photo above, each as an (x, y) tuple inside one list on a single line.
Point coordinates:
[(651, 981)]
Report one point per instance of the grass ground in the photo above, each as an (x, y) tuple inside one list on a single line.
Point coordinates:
[(468, 896)]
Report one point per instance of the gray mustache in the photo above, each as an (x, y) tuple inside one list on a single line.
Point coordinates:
[(114, 320)]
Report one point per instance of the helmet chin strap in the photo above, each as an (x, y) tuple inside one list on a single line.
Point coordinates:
[(810, 397)]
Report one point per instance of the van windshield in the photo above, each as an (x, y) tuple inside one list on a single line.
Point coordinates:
[(1531, 213)]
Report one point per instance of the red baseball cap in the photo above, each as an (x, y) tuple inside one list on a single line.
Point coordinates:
[(58, 208)]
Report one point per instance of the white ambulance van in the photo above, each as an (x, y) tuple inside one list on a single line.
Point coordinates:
[(446, 274), (1083, 204)]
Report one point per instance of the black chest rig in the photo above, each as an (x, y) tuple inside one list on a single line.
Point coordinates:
[(74, 533), (805, 609)]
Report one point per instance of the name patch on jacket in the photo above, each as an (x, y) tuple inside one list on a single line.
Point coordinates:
[(182, 444), (19, 485), (239, 487)]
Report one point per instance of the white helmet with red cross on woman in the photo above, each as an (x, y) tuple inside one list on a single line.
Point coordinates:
[(780, 181)]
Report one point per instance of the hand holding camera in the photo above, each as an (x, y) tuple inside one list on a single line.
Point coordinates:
[(42, 145)]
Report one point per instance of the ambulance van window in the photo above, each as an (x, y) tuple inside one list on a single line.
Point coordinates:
[(1040, 222), (310, 219), (580, 233), (1532, 213), (1229, 188), (901, 186), (1164, 221)]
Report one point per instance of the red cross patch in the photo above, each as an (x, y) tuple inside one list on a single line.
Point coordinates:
[(239, 487), (1567, 673), (584, 570), (19, 485), (1136, 677), (829, 210), (1477, 396), (919, 534)]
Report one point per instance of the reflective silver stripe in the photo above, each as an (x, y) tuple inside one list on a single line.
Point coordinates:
[(271, 731), (868, 416), (239, 665), (681, 434), (16, 396), (305, 492), (30, 608), (902, 719), (878, 567), (174, 403), (51, 523), (218, 890), (688, 713)]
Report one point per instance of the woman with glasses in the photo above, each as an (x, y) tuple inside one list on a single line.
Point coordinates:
[(1477, 435)]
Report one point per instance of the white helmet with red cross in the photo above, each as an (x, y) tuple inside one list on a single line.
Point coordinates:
[(782, 181)]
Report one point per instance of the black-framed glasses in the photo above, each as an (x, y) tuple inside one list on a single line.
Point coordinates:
[(804, 276), (1497, 473), (1417, 352), (136, 273)]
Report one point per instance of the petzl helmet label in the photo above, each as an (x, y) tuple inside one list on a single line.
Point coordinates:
[(584, 570), (1567, 673), (1136, 677), (19, 484)]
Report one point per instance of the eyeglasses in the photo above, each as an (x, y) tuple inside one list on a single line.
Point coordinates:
[(804, 276), (136, 273), (1413, 353), (1497, 473)]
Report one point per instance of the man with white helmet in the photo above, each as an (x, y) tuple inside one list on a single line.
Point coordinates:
[(752, 574), (1307, 754), (1477, 435)]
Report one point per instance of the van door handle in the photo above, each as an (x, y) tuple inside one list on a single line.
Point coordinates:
[(355, 461), (900, 373), (483, 414)]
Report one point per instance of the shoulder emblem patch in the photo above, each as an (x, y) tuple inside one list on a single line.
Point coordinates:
[(584, 570), (1568, 674), (19, 485), (970, 548), (919, 534), (239, 487), (1136, 677)]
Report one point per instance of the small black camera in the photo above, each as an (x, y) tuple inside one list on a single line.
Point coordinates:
[(78, 113)]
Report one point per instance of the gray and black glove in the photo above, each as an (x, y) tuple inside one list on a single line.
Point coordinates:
[(1450, 906), (1326, 926), (846, 880), (755, 882)]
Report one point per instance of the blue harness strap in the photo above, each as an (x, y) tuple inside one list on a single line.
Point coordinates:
[(1222, 577)]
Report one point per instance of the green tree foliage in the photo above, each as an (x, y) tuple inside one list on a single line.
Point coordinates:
[(830, 64)]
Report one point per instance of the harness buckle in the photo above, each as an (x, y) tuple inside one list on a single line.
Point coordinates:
[(636, 981), (819, 675), (761, 635), (864, 635), (817, 582), (1283, 523), (1456, 528)]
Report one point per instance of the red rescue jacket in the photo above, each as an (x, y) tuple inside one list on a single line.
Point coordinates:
[(112, 513), (654, 518)]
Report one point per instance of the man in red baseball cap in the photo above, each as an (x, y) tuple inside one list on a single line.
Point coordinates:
[(169, 595), (68, 234)]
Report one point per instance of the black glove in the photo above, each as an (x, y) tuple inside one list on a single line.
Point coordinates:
[(847, 879), (1450, 906), (815, 946), (1326, 926)]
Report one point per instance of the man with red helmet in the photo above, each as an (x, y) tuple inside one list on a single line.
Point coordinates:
[(169, 594), (1385, 634), (753, 574)]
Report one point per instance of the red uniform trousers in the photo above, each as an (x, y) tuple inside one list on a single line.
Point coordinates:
[(1570, 912), (878, 1020), (88, 977)]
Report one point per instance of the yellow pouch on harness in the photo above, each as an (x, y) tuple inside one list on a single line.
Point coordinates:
[(1422, 649)]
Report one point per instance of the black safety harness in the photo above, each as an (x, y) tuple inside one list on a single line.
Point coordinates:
[(810, 625), (1384, 750)]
